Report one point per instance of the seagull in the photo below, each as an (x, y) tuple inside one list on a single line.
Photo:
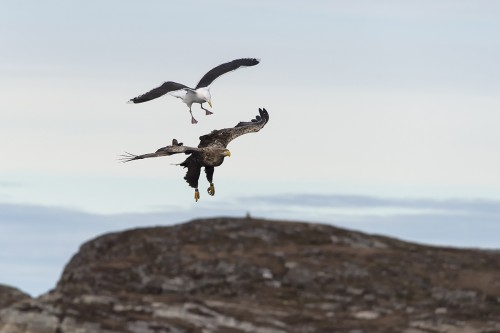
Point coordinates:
[(201, 93), (210, 152)]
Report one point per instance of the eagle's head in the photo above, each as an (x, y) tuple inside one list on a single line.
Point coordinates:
[(215, 157)]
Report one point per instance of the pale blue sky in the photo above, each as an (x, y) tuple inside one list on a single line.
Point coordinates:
[(387, 99)]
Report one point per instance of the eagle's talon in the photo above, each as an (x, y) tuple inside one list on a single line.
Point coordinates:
[(196, 195), (211, 189)]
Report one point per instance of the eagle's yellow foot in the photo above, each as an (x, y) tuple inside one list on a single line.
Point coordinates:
[(211, 189), (196, 195)]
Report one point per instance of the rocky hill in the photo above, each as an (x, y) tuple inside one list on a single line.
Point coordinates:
[(9, 296), (231, 275)]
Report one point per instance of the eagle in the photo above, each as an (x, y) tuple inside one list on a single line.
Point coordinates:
[(209, 154), (201, 93)]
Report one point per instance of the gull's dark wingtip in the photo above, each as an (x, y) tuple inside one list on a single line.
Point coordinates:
[(248, 61)]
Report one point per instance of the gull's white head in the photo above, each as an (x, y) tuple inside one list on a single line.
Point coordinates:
[(205, 93)]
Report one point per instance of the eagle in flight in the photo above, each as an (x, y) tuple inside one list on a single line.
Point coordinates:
[(210, 152), (201, 93)]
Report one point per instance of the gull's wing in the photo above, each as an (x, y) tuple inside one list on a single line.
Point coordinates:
[(221, 138), (215, 72), (175, 148), (158, 91)]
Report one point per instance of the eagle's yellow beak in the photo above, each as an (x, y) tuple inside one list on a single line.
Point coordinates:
[(209, 103), (228, 153)]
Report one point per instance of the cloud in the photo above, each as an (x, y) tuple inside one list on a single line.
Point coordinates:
[(8, 185), (452, 206), (5, 183)]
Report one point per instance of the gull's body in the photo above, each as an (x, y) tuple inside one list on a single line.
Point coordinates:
[(201, 93)]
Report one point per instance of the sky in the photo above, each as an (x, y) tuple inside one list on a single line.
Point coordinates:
[(383, 118)]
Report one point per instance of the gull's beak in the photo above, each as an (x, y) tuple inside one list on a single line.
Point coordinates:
[(209, 103), (228, 153)]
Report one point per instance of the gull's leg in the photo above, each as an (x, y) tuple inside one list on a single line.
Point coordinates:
[(196, 195), (193, 121), (211, 189), (207, 112)]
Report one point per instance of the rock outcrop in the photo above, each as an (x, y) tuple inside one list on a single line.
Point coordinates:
[(10, 295), (231, 275)]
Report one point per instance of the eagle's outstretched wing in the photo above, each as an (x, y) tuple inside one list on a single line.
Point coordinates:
[(175, 148), (215, 72), (158, 91), (221, 138)]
